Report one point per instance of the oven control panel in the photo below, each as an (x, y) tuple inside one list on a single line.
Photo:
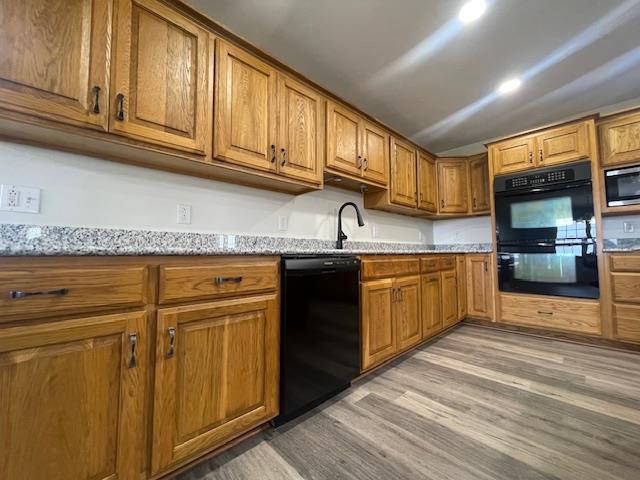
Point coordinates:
[(536, 179)]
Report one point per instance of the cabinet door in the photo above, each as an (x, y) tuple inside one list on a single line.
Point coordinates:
[(449, 298), (452, 186), (431, 304), (216, 375), (72, 399), (479, 184), (512, 155), (344, 134), (427, 183), (300, 144), (245, 109), (403, 173), (620, 140), (564, 144), (161, 81), (378, 328), (55, 59), (375, 147), (461, 275), (406, 311), (479, 286)]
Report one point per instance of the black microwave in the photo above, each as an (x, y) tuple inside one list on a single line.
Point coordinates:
[(623, 186)]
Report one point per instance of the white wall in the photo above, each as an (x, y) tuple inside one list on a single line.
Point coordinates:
[(83, 191), (463, 230), (613, 228)]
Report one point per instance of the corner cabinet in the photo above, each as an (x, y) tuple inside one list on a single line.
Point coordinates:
[(55, 59), (73, 397), (453, 186), (216, 375), (480, 287), (479, 184), (427, 183), (161, 77)]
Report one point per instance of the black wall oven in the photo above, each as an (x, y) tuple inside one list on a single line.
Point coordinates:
[(546, 232)]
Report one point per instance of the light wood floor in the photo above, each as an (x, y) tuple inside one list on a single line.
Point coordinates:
[(475, 404)]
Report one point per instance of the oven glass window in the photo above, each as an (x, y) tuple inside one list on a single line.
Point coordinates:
[(547, 213), (545, 267), (629, 186)]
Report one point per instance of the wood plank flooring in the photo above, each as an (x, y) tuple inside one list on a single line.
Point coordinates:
[(476, 404)]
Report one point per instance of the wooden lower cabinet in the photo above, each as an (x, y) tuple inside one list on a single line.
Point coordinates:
[(406, 311), (461, 274), (431, 304), (216, 376), (72, 398), (624, 285), (378, 330), (449, 298), (480, 286)]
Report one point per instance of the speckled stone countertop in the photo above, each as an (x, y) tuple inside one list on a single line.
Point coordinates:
[(33, 240), (621, 245)]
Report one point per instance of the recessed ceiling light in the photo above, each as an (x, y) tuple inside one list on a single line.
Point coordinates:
[(509, 86), (472, 10)]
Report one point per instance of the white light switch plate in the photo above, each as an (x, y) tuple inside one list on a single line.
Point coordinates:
[(283, 223), (184, 213), (18, 198)]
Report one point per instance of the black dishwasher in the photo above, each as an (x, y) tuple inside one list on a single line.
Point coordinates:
[(320, 330)]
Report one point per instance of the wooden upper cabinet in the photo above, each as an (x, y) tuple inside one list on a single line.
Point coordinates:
[(512, 155), (344, 139), (245, 127), (452, 186), (378, 328), (301, 131), (406, 311), (375, 152), (161, 82), (479, 184), (427, 183), (55, 59), (620, 139), (563, 144), (403, 173), (479, 286), (216, 375), (72, 399)]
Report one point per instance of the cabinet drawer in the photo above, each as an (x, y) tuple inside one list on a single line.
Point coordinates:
[(186, 282), (625, 263), (429, 264), (447, 263), (626, 320), (45, 291), (389, 266), (574, 315), (625, 287)]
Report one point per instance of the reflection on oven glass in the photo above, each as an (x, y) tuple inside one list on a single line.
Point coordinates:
[(629, 186), (548, 213), (545, 267)]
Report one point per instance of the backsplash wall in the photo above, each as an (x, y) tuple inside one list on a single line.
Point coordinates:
[(78, 190)]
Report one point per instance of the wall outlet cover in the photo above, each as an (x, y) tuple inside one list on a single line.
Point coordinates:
[(628, 227), (18, 198), (184, 213), (283, 223), (375, 231)]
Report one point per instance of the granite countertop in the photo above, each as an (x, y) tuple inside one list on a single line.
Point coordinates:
[(34, 240), (612, 245)]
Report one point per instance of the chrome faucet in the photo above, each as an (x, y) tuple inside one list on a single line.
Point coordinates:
[(341, 235)]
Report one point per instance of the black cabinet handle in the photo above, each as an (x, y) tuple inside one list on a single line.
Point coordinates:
[(366, 164), (120, 101), (359, 161), (133, 340), (16, 294), (96, 99), (284, 156), (530, 157), (273, 154), (172, 342)]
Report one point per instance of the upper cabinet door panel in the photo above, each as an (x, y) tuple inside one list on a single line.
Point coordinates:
[(620, 140), (301, 134), (403, 173), (564, 144), (512, 155), (375, 165), (479, 182), (245, 126), (344, 149), (427, 183), (452, 186), (161, 82), (55, 59)]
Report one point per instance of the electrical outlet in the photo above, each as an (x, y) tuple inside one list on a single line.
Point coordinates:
[(628, 227), (184, 213), (283, 223), (420, 236), (18, 198), (375, 231)]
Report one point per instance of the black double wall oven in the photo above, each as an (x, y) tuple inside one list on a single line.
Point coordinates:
[(546, 232)]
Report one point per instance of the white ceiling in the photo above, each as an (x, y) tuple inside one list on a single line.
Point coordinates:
[(411, 64)]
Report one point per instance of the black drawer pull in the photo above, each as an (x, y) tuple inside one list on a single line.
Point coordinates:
[(223, 280), (17, 294), (544, 313)]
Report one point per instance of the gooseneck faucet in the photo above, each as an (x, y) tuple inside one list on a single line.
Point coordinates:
[(341, 234)]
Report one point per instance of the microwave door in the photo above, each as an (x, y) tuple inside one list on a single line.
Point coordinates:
[(623, 187)]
